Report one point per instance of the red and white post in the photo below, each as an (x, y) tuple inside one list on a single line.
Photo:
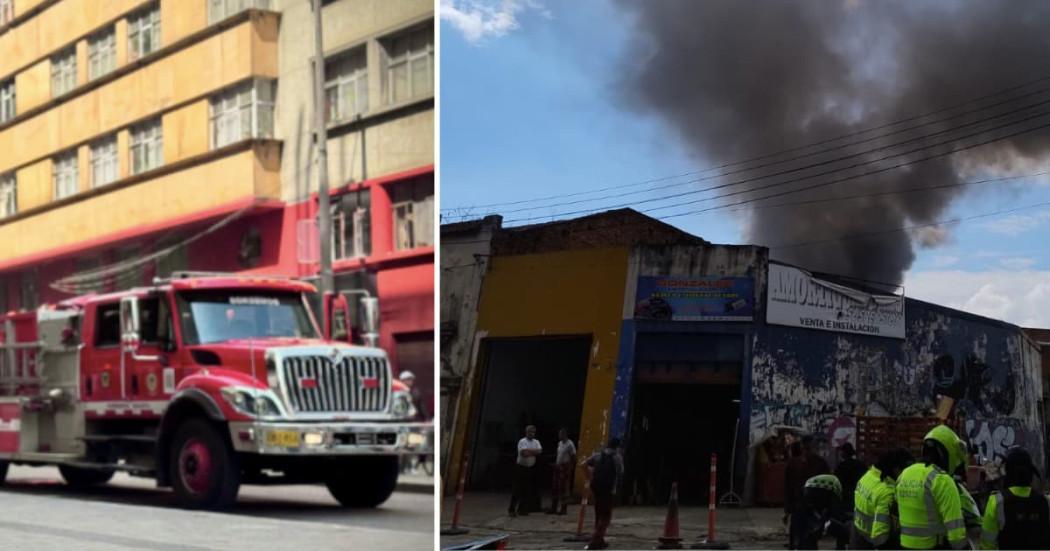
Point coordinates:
[(579, 536), (455, 530), (712, 506)]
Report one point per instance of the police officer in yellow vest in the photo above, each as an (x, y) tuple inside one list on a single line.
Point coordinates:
[(875, 507), (930, 510), (1017, 518)]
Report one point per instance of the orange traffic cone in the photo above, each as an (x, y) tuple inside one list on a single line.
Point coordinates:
[(671, 538)]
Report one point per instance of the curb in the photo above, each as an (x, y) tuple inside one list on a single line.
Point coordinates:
[(415, 488)]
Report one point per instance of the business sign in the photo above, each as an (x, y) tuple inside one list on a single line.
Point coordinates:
[(798, 299), (695, 298)]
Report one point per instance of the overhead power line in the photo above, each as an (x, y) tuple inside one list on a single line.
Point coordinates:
[(793, 149)]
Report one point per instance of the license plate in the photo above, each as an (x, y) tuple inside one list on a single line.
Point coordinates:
[(366, 439), (283, 438)]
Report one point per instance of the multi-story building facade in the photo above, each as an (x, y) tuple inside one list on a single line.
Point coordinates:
[(167, 135)]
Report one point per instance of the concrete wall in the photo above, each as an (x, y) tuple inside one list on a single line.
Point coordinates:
[(465, 253), (819, 380), (396, 138)]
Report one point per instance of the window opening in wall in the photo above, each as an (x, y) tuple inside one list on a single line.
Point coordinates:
[(346, 85), (8, 195), (7, 11), (102, 53), (352, 225), (7, 100), (409, 58), (241, 112), (147, 146), (144, 32), (221, 9), (65, 174), (63, 72), (104, 164), (413, 204)]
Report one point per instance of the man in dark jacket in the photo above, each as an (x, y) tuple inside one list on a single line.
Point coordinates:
[(848, 471), (804, 464), (606, 469)]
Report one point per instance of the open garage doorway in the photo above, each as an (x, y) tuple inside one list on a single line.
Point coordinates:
[(538, 381), (684, 406)]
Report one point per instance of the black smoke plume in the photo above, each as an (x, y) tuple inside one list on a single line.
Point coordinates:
[(737, 79)]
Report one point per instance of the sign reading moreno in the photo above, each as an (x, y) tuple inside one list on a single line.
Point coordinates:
[(798, 299)]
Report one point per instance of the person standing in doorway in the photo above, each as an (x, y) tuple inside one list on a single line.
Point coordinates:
[(606, 469), (524, 489), (564, 464)]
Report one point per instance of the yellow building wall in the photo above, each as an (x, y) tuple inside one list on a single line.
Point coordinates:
[(183, 76), (169, 196), (22, 6), (56, 27), (179, 18), (34, 185), (560, 293), (33, 86), (186, 132)]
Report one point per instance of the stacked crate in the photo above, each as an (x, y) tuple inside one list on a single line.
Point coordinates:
[(878, 434)]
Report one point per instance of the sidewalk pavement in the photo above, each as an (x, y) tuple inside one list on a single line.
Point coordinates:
[(633, 527), (415, 483)]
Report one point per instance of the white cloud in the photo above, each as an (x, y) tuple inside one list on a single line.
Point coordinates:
[(1021, 297), (1016, 224), (1017, 263), (482, 19)]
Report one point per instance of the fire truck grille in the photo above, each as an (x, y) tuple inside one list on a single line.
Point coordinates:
[(316, 384)]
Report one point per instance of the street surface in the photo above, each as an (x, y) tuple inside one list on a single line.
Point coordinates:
[(131, 513), (636, 527)]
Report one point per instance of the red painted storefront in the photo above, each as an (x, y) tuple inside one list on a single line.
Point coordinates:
[(268, 237)]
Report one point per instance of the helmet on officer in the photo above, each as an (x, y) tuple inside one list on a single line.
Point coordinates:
[(944, 448), (828, 482)]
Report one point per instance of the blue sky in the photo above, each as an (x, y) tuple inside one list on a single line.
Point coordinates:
[(530, 108)]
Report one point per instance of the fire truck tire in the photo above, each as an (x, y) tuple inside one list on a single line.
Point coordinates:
[(205, 472), (364, 482), (79, 477)]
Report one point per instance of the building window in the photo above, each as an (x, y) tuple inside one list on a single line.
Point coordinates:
[(7, 100), (8, 195), (352, 225), (221, 9), (242, 112), (7, 11), (147, 146), (102, 53), (104, 165), (63, 72), (144, 32), (409, 65), (30, 298), (65, 174), (346, 85), (413, 204)]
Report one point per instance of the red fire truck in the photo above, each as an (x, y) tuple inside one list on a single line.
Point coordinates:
[(205, 382)]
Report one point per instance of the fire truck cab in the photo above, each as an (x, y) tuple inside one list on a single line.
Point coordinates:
[(204, 383)]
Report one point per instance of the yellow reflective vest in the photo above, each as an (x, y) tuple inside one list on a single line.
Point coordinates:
[(930, 509), (872, 503)]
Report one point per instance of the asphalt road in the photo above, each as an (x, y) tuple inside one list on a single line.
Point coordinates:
[(41, 512)]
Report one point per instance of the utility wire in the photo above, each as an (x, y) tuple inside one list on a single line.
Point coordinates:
[(781, 152)]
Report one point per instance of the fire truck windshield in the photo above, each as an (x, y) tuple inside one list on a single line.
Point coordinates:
[(222, 315)]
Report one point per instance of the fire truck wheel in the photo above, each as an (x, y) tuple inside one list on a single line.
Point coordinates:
[(78, 477), (205, 473), (364, 481)]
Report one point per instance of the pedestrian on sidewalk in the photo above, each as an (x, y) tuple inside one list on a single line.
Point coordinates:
[(524, 492), (849, 470), (1017, 517), (606, 469), (564, 464)]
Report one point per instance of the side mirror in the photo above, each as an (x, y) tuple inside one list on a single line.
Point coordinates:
[(129, 324), (337, 318), (370, 309)]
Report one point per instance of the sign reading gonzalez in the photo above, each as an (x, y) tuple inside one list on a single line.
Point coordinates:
[(695, 298), (798, 299)]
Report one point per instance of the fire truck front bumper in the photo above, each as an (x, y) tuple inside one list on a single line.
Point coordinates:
[(365, 438)]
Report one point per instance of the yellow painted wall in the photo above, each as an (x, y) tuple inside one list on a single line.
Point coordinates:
[(84, 168), (173, 195), (186, 131), (179, 18), (82, 63), (33, 86), (56, 27), (182, 76), (561, 293), (34, 185), (22, 6)]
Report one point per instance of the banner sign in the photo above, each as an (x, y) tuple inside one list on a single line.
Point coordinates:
[(798, 299), (695, 298)]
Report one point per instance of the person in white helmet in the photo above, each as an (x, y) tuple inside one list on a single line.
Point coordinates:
[(409, 379)]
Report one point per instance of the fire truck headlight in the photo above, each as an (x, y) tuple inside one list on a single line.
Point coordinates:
[(252, 401), (402, 405)]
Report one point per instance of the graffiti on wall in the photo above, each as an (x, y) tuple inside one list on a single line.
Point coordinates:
[(819, 381)]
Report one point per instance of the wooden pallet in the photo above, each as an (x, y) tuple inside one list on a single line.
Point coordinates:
[(876, 435)]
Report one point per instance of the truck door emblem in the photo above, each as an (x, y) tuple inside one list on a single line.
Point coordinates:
[(104, 379), (151, 383), (307, 382)]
